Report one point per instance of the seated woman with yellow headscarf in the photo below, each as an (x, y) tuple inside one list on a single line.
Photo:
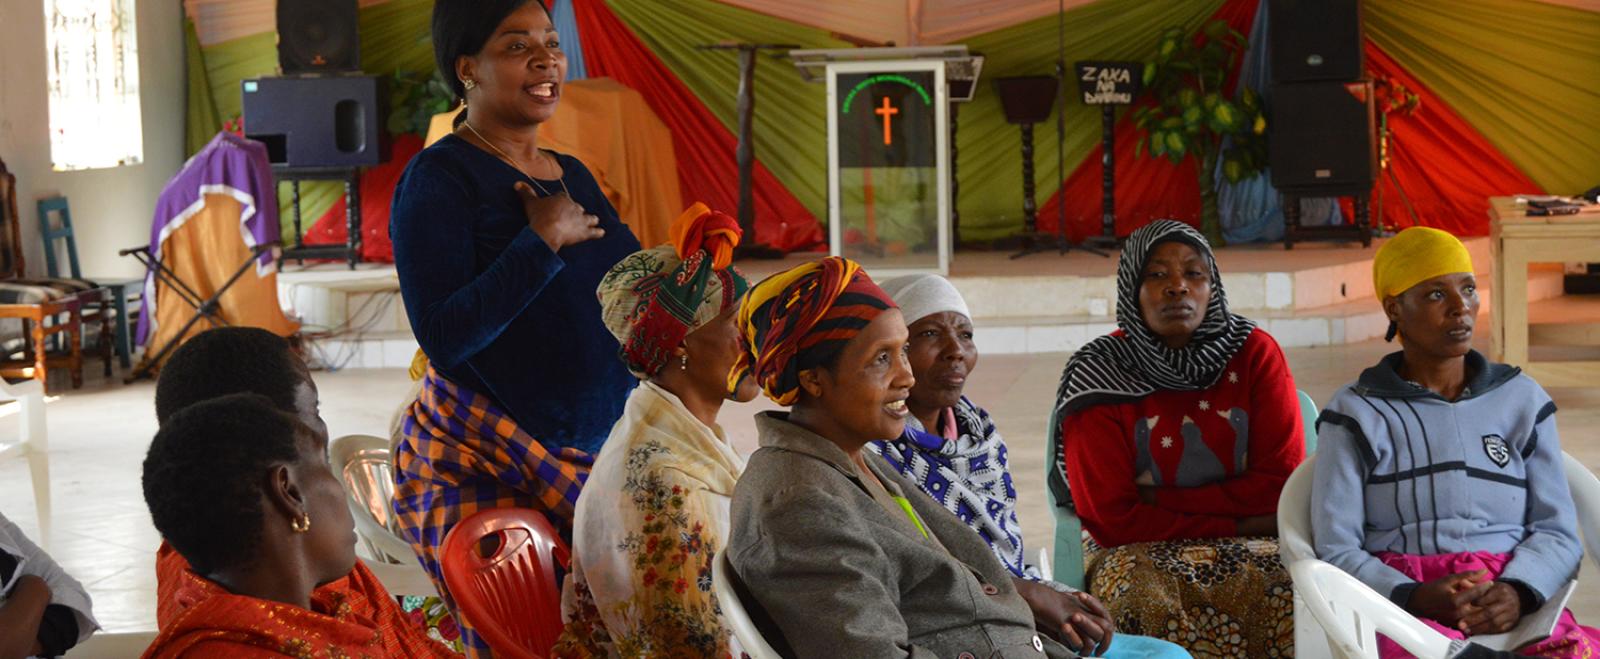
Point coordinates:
[(845, 556), (655, 508), (1439, 478)]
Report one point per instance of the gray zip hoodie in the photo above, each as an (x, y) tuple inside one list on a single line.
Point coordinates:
[(1401, 469)]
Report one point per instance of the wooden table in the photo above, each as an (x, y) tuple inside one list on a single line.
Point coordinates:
[(1517, 240)]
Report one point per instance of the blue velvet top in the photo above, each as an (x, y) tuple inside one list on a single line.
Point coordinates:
[(494, 308)]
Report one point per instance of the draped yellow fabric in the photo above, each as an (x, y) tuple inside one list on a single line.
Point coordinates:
[(1524, 73), (204, 253), (613, 131)]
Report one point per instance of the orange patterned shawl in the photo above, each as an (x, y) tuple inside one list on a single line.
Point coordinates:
[(352, 617)]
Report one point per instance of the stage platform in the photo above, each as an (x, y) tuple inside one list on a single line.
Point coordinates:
[(1318, 294)]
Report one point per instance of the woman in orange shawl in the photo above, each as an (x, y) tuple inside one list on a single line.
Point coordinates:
[(261, 531)]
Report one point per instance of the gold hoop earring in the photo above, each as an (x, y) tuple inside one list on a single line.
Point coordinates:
[(301, 524)]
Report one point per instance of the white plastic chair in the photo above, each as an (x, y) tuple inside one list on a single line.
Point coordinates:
[(1331, 615), (33, 443), (733, 612), (362, 463), (1352, 615)]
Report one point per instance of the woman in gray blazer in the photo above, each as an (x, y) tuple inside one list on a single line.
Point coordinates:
[(842, 554)]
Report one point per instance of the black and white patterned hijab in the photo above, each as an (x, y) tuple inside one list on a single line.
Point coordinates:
[(1121, 368)]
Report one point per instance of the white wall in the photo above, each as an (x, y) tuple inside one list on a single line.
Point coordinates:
[(111, 208)]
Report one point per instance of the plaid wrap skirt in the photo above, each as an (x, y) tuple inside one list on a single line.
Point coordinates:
[(460, 454)]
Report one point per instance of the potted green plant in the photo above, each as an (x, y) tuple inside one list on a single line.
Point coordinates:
[(414, 99), (1188, 114)]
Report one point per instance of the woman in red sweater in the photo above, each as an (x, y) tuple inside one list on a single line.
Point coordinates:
[(1178, 431)]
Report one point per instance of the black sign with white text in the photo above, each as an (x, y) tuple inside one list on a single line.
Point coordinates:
[(1109, 83)]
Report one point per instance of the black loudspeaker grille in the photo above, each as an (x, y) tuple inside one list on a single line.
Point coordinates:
[(316, 121), (318, 36), (1323, 137), (1315, 40)]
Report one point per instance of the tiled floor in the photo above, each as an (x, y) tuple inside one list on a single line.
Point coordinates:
[(99, 434)]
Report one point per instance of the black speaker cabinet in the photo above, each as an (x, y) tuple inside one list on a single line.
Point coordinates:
[(1323, 138), (316, 121), (318, 36), (1315, 40)]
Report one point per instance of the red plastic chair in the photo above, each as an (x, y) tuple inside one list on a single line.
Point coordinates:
[(512, 595)]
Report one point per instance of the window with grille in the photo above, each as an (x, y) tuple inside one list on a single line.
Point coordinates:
[(93, 60)]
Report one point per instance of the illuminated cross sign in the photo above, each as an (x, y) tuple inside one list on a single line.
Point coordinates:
[(887, 112), (1109, 83), (886, 119), (888, 155)]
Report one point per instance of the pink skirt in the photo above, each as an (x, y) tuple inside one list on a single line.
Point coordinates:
[(1570, 639)]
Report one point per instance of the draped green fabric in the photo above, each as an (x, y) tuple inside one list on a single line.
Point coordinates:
[(397, 36), (990, 149), (791, 128), (229, 62), (201, 121), (1524, 73)]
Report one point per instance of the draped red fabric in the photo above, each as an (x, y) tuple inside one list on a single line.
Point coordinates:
[(705, 148), (1147, 188), (377, 192), (1447, 168)]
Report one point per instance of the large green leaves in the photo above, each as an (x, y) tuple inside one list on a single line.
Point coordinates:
[(1187, 114)]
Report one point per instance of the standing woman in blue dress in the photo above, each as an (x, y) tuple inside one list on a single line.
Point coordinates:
[(499, 246)]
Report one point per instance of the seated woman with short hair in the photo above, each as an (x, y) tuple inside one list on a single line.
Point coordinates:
[(1439, 479), (264, 527), (1178, 432), (846, 556)]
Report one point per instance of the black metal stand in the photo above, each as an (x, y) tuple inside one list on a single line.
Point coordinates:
[(749, 247), (351, 176), (1108, 184), (1361, 230), (1034, 242), (955, 183), (204, 308)]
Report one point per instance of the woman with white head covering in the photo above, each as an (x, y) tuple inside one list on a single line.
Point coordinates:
[(951, 449)]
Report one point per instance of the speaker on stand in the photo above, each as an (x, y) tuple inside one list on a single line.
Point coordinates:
[(1323, 129), (321, 119), (1027, 100)]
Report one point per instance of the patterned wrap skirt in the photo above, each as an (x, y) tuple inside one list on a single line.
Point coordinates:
[(1216, 597), (460, 454)]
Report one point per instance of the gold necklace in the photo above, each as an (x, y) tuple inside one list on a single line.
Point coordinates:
[(514, 162)]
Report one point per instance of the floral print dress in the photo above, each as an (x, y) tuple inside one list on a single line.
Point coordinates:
[(651, 518)]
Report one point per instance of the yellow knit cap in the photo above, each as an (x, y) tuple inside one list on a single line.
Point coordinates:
[(1415, 256)]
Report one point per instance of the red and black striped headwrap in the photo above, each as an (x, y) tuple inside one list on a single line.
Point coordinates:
[(800, 319)]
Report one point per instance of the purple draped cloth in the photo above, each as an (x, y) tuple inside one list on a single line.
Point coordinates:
[(230, 165)]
